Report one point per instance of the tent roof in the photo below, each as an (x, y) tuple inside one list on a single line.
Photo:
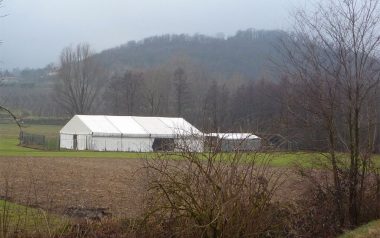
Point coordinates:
[(180, 126), (132, 126), (234, 136), (99, 124), (126, 125), (153, 125)]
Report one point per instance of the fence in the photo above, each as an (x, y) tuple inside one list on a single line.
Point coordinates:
[(39, 141)]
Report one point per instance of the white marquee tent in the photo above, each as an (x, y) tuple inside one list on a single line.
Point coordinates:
[(129, 133)]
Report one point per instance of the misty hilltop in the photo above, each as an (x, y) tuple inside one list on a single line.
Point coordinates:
[(231, 62), (248, 53)]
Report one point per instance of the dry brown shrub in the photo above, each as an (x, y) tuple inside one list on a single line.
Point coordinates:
[(315, 213), (212, 195)]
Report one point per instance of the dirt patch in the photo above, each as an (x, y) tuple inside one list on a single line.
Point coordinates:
[(82, 185), (60, 183)]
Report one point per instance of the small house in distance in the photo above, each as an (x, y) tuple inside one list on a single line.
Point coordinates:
[(232, 141), (130, 133)]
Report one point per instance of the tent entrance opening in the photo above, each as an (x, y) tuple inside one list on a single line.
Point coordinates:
[(75, 142), (163, 144)]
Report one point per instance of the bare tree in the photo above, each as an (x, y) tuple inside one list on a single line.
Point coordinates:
[(79, 80), (156, 91), (154, 100), (181, 90), (216, 106), (334, 75), (132, 83), (123, 92)]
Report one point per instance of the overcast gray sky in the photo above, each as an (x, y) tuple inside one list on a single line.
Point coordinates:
[(35, 31)]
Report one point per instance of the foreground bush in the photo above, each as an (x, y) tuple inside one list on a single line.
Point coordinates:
[(316, 213), (213, 195)]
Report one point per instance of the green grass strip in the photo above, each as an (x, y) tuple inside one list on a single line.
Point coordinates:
[(370, 230), (16, 218)]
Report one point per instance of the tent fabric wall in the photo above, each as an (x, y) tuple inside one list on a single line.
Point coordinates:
[(121, 144), (137, 144), (82, 142), (127, 133), (66, 141)]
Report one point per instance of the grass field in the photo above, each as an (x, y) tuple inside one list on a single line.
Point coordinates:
[(9, 148), (9, 144), (16, 217), (56, 180), (370, 230)]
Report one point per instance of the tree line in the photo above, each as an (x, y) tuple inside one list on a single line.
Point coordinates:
[(178, 88)]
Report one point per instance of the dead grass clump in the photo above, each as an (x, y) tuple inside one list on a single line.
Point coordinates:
[(107, 228)]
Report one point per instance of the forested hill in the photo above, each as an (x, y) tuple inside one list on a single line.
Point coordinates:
[(247, 53), (221, 65)]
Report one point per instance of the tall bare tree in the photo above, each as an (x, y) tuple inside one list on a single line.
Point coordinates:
[(123, 93), (79, 80), (334, 73), (216, 106), (131, 84), (181, 90), (156, 92)]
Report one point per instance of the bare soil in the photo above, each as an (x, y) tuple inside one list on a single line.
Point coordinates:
[(56, 184), (114, 185)]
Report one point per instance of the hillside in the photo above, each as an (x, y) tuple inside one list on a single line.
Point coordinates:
[(231, 61), (248, 53)]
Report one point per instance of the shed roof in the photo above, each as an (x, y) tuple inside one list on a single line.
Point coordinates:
[(234, 136)]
